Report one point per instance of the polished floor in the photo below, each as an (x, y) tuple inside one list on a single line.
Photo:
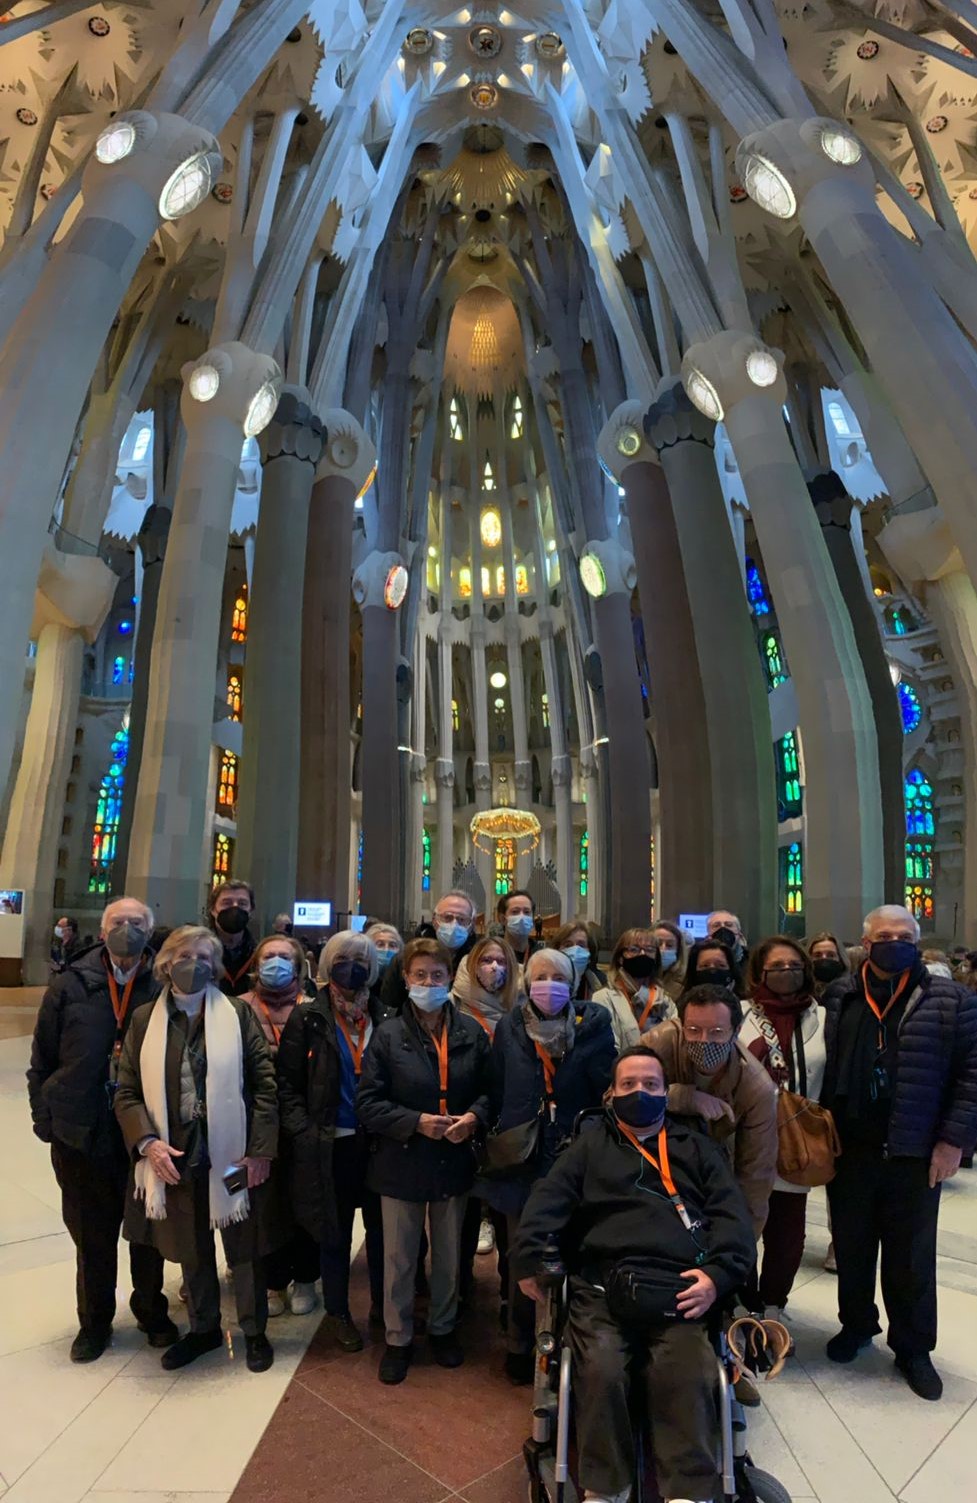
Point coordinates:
[(320, 1427)]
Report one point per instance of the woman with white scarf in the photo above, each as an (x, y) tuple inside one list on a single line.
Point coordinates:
[(197, 1100)]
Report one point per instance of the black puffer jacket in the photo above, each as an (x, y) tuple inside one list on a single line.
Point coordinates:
[(308, 1099), (934, 1094), (73, 1040), (399, 1082)]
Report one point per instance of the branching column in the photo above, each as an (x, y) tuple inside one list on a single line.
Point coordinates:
[(171, 800), (268, 806)]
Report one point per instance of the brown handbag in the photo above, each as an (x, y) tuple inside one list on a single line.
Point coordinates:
[(807, 1138)]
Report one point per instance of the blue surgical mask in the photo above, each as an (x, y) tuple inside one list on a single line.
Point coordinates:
[(520, 924), (384, 957), (669, 958), (580, 956), (276, 972), (452, 935), (429, 998)]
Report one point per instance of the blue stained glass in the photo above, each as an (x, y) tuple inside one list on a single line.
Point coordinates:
[(125, 627), (912, 710), (755, 593), (107, 814), (118, 670)]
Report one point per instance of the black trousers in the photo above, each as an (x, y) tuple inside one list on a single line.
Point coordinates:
[(675, 1368), (886, 1204), (471, 1226), (93, 1194), (297, 1259), (203, 1284), (349, 1163)]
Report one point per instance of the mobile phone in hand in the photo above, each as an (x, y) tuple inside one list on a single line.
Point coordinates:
[(235, 1179)]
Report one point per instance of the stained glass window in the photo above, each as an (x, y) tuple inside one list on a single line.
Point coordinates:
[(454, 420), (107, 812), (792, 877), (583, 866), (920, 835), (486, 581), (426, 861), (488, 476), (788, 778), (544, 703), (773, 661), (454, 714), (515, 427), (223, 854), (651, 910), (227, 784), (239, 618), (897, 621), (522, 579), (500, 579), (234, 695), (465, 583), (755, 592), (118, 670), (505, 866), (359, 871), (912, 710)]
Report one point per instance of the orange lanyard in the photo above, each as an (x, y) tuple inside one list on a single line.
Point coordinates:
[(549, 1075), (661, 1164), (652, 999), (881, 1015), (236, 975), (479, 1018), (276, 1028), (441, 1047), (120, 1008), (355, 1051)]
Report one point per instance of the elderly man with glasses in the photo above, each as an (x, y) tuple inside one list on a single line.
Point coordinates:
[(712, 1075)]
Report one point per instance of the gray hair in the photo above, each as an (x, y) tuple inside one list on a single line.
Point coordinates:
[(148, 913), (717, 911), (456, 892), (559, 958), (376, 930), (188, 934), (893, 911), (349, 945)]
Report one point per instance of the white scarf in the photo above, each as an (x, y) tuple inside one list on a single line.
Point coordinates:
[(226, 1116)]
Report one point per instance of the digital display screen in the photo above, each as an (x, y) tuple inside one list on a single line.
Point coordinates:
[(11, 900), (693, 924), (312, 915)]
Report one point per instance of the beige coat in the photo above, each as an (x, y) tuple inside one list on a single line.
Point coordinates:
[(751, 1139), (623, 1021)]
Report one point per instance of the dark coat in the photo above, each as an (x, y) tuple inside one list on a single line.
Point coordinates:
[(602, 1204), (399, 1082), (934, 1093), (519, 1089), (237, 964), (73, 1041), (174, 1236), (308, 1099)]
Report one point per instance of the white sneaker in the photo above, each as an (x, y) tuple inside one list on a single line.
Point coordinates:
[(486, 1237), (276, 1302), (589, 1497), (303, 1298)]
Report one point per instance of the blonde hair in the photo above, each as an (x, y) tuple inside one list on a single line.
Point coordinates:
[(187, 934), (508, 993), (348, 945)]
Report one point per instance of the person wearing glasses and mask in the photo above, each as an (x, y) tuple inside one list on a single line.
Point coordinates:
[(81, 1027), (198, 1107), (423, 1094), (784, 1029), (901, 1084), (278, 977), (633, 996), (576, 940), (231, 907), (517, 918), (726, 927), (320, 1063), (551, 1058), (712, 1075), (453, 927)]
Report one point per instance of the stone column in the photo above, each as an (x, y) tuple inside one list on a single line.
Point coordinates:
[(737, 723), (833, 507), (229, 392), (922, 550), (379, 586), (73, 597), (51, 351), (268, 807), (684, 853), (735, 378), (344, 470), (444, 776), (483, 768), (418, 775)]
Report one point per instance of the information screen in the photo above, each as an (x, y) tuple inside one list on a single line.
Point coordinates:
[(693, 924), (11, 900), (312, 915)]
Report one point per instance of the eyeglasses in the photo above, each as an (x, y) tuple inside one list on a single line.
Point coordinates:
[(695, 1035), (633, 950)]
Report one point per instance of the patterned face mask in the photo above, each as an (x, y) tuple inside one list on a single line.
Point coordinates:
[(708, 1058)]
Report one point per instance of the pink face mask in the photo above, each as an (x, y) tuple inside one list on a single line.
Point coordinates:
[(549, 997)]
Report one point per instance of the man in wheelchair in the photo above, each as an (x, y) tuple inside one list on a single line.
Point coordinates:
[(654, 1233)]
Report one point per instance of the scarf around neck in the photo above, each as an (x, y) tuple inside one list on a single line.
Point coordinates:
[(555, 1035), (226, 1115)]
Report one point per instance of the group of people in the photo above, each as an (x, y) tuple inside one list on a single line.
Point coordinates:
[(434, 1084)]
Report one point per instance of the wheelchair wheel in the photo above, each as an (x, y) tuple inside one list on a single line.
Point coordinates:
[(544, 1490), (766, 1489)]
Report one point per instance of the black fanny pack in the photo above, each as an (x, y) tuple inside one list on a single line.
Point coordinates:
[(639, 1295)]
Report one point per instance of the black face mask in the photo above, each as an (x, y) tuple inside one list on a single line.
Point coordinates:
[(713, 978), (639, 1109), (783, 983), (125, 941), (893, 955), (232, 920), (828, 970), (349, 974), (640, 967)]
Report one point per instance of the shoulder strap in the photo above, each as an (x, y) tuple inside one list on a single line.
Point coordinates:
[(801, 1061)]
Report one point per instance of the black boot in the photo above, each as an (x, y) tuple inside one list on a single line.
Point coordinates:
[(89, 1345), (161, 1334), (189, 1347), (261, 1353)]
